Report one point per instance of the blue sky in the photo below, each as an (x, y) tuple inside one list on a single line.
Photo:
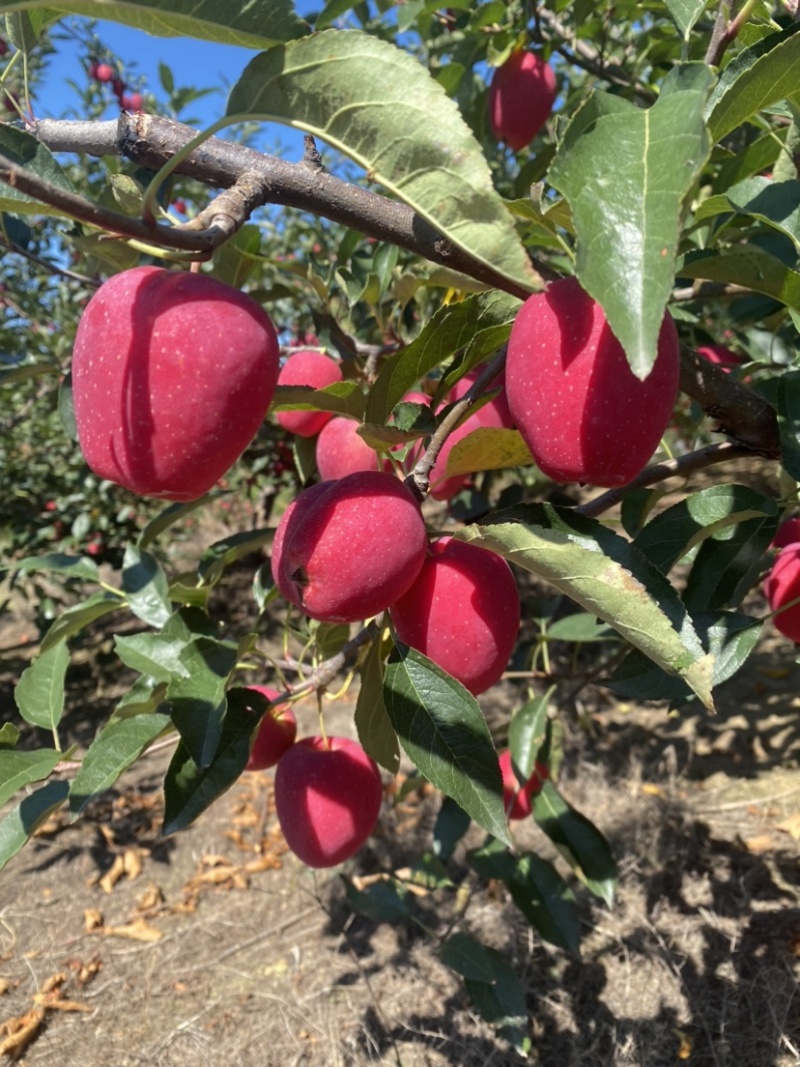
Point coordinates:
[(200, 64)]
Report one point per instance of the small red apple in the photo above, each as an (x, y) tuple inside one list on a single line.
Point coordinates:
[(276, 732), (783, 586), (787, 533), (172, 374), (313, 369), (721, 355), (104, 72), (521, 97), (342, 451), (327, 799), (517, 796), (583, 413), (132, 101)]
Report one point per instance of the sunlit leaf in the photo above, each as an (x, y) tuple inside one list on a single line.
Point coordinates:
[(40, 691), (390, 125)]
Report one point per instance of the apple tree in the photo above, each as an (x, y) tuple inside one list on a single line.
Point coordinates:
[(536, 264)]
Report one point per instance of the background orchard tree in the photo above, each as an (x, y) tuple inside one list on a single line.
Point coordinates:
[(664, 179)]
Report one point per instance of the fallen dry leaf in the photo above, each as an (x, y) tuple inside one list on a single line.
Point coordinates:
[(151, 899), (132, 862), (791, 825), (5, 985), (112, 875), (92, 919), (21, 1031), (760, 843), (138, 930)]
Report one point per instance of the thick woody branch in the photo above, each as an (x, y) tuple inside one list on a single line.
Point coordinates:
[(152, 140)]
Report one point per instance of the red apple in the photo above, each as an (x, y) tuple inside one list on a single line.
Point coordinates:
[(132, 101), (720, 355), (517, 796), (327, 799), (315, 370), (104, 72), (276, 732), (341, 451), (521, 97), (346, 550), (462, 612), (781, 587), (496, 414), (172, 374), (787, 533), (582, 412)]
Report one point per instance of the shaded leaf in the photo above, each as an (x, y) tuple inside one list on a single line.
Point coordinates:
[(375, 731), (28, 151), (189, 789), (383, 901), (758, 76), (480, 324), (223, 553), (775, 203), (76, 618), (489, 448), (342, 398), (789, 422), (578, 840), (528, 734), (442, 730), (22, 821), (249, 23), (60, 563), (197, 697), (146, 586)]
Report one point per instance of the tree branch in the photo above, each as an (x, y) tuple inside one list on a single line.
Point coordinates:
[(152, 140)]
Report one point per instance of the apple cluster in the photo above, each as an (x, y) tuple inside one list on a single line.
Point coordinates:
[(106, 74)]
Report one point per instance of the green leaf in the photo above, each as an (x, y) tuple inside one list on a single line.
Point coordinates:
[(538, 890), (9, 735), (382, 902), (24, 30), (392, 126), (686, 13), (143, 697), (24, 820), (27, 151), (578, 840), (775, 203), (480, 324), (146, 586), (18, 769), (375, 732), (114, 749), (249, 23), (626, 175), (197, 698), (730, 638), (26, 373), (223, 553), (342, 398), (467, 957), (168, 517), (749, 267), (452, 823), (40, 691), (189, 789), (501, 1001), (581, 628), (442, 730), (76, 618), (605, 575), (528, 734), (789, 422), (60, 563), (758, 76)]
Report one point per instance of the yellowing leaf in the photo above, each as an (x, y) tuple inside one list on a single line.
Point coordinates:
[(488, 448)]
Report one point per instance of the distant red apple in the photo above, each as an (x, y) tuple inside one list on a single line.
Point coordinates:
[(517, 796), (720, 355), (132, 101), (327, 799), (315, 370), (341, 450), (521, 96), (104, 72), (276, 732)]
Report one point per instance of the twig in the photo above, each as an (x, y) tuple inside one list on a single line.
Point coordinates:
[(659, 472), (51, 268)]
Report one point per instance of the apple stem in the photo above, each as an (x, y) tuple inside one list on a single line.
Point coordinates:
[(321, 716)]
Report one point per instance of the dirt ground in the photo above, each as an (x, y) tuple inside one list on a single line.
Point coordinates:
[(216, 947)]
